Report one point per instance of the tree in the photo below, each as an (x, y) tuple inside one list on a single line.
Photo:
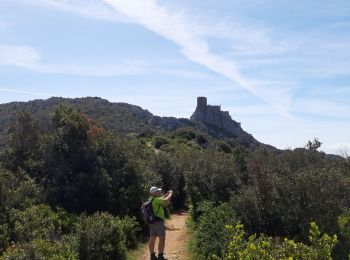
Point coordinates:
[(170, 171), (122, 173), (89, 169), (283, 195), (313, 145), (71, 173), (17, 191), (23, 153)]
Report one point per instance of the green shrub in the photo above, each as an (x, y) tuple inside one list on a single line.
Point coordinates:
[(282, 197), (224, 147), (241, 246), (36, 222), (100, 237), (343, 248), (201, 139), (158, 141), (18, 190), (130, 228), (4, 237), (210, 236), (186, 133), (40, 249)]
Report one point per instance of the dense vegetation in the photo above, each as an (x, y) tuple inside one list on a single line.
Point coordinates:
[(122, 118), (72, 189), (276, 195)]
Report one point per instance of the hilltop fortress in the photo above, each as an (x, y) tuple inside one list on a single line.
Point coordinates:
[(213, 116)]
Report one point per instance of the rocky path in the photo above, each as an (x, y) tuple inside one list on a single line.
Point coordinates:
[(176, 239)]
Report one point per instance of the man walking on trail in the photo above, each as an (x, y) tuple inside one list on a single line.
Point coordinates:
[(157, 228)]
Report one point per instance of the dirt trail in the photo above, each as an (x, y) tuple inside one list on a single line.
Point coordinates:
[(176, 239)]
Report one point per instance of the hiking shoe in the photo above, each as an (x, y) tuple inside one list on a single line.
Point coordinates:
[(153, 257), (161, 257)]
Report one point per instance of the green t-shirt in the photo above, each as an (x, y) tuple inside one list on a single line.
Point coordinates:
[(158, 207)]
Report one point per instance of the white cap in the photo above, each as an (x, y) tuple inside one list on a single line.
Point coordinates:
[(154, 189)]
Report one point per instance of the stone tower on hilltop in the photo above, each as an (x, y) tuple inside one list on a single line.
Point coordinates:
[(201, 110), (212, 115)]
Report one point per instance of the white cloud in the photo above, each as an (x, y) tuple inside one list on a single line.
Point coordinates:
[(174, 26), (180, 73), (21, 56), (321, 107), (250, 110), (252, 40), (86, 8), (29, 58), (332, 68), (342, 149), (287, 55), (125, 68)]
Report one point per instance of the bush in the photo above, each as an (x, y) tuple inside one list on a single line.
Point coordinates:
[(224, 147), (158, 141), (36, 222), (40, 249), (281, 198), (17, 191), (210, 236), (4, 237), (343, 248), (201, 139), (101, 236), (130, 228), (186, 133), (242, 246), (211, 176)]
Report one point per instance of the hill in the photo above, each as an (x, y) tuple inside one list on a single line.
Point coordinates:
[(130, 120)]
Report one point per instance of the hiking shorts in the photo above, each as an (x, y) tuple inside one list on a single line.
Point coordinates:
[(157, 229)]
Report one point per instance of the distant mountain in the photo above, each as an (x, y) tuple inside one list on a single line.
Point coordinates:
[(128, 119)]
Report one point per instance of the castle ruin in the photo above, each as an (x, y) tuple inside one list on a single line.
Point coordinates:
[(213, 115)]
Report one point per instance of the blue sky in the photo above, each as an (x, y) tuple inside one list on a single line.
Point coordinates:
[(281, 68)]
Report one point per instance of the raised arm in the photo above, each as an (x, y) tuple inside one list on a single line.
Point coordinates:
[(166, 198)]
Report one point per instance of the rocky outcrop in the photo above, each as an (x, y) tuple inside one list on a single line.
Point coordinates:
[(220, 124), (213, 116)]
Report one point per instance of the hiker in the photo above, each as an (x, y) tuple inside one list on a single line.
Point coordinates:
[(156, 227)]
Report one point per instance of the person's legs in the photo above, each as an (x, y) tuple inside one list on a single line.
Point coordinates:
[(158, 229), (152, 241), (161, 245)]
